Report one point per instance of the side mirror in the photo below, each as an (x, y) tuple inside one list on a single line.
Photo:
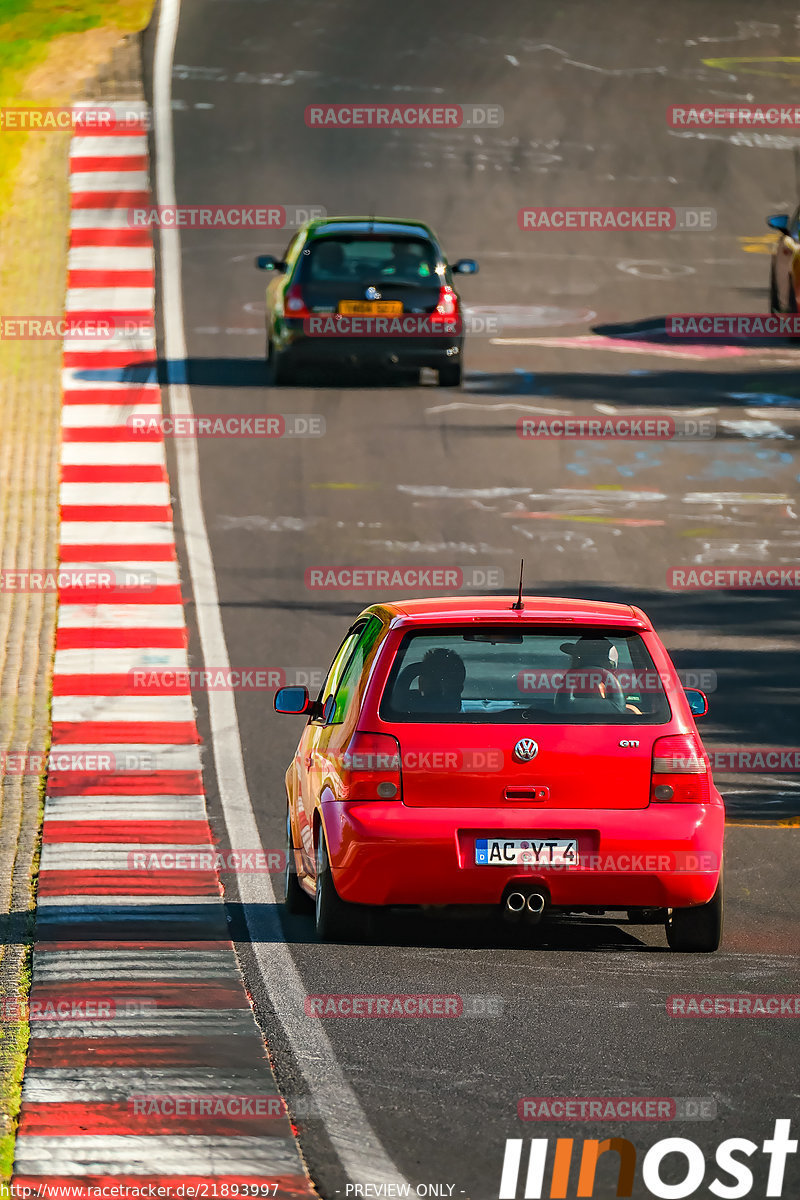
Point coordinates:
[(698, 701), (780, 222), (293, 700), (465, 266), (268, 262)]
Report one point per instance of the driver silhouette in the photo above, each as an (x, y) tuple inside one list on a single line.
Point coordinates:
[(441, 681), (590, 683)]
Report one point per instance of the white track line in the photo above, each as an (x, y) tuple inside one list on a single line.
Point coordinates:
[(356, 1144)]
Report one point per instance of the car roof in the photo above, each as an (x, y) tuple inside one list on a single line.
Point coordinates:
[(539, 610), (387, 226)]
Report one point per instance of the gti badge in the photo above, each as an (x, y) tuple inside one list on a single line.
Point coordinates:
[(372, 293), (525, 750)]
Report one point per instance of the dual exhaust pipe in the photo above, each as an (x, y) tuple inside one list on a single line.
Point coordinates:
[(530, 905)]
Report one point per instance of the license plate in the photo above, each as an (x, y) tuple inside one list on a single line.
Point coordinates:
[(526, 852), (371, 308)]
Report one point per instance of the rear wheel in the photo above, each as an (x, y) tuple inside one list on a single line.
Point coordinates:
[(297, 901), (281, 372), (450, 375), (697, 930), (336, 920)]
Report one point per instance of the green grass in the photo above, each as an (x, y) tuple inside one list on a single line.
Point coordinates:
[(28, 26), (27, 30), (15, 1049)]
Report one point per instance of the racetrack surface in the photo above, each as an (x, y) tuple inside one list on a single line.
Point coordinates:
[(422, 476)]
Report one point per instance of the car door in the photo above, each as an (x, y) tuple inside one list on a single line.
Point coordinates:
[(345, 707), (307, 758)]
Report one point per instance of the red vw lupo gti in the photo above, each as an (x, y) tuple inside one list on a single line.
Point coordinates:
[(538, 756)]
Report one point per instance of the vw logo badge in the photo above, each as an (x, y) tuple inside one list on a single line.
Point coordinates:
[(525, 750), (372, 293)]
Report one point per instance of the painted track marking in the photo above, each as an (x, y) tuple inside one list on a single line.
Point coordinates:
[(151, 946)]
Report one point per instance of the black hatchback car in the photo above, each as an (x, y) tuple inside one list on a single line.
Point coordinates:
[(364, 291)]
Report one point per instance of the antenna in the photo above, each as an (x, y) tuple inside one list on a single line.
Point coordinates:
[(518, 606)]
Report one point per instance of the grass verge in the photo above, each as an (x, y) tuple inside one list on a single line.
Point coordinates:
[(30, 30)]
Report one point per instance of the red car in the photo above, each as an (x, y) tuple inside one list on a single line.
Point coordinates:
[(536, 756)]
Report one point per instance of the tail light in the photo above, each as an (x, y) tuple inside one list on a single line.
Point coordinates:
[(680, 770), (371, 768), (294, 304), (446, 311)]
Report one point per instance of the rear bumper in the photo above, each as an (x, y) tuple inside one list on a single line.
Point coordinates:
[(383, 853), (409, 352)]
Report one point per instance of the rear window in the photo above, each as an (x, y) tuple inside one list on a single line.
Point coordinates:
[(567, 677), (407, 261)]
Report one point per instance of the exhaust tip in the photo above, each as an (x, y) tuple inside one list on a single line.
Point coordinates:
[(534, 907), (514, 906)]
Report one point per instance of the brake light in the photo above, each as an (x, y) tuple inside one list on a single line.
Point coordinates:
[(446, 311), (294, 304), (680, 770), (371, 768)]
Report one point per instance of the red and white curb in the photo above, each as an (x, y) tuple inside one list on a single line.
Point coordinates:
[(136, 989)]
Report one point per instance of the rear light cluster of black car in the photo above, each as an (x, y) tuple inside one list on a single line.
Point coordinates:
[(295, 302)]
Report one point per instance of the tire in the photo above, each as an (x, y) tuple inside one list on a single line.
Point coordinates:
[(450, 375), (336, 920), (281, 372), (296, 900), (697, 930)]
